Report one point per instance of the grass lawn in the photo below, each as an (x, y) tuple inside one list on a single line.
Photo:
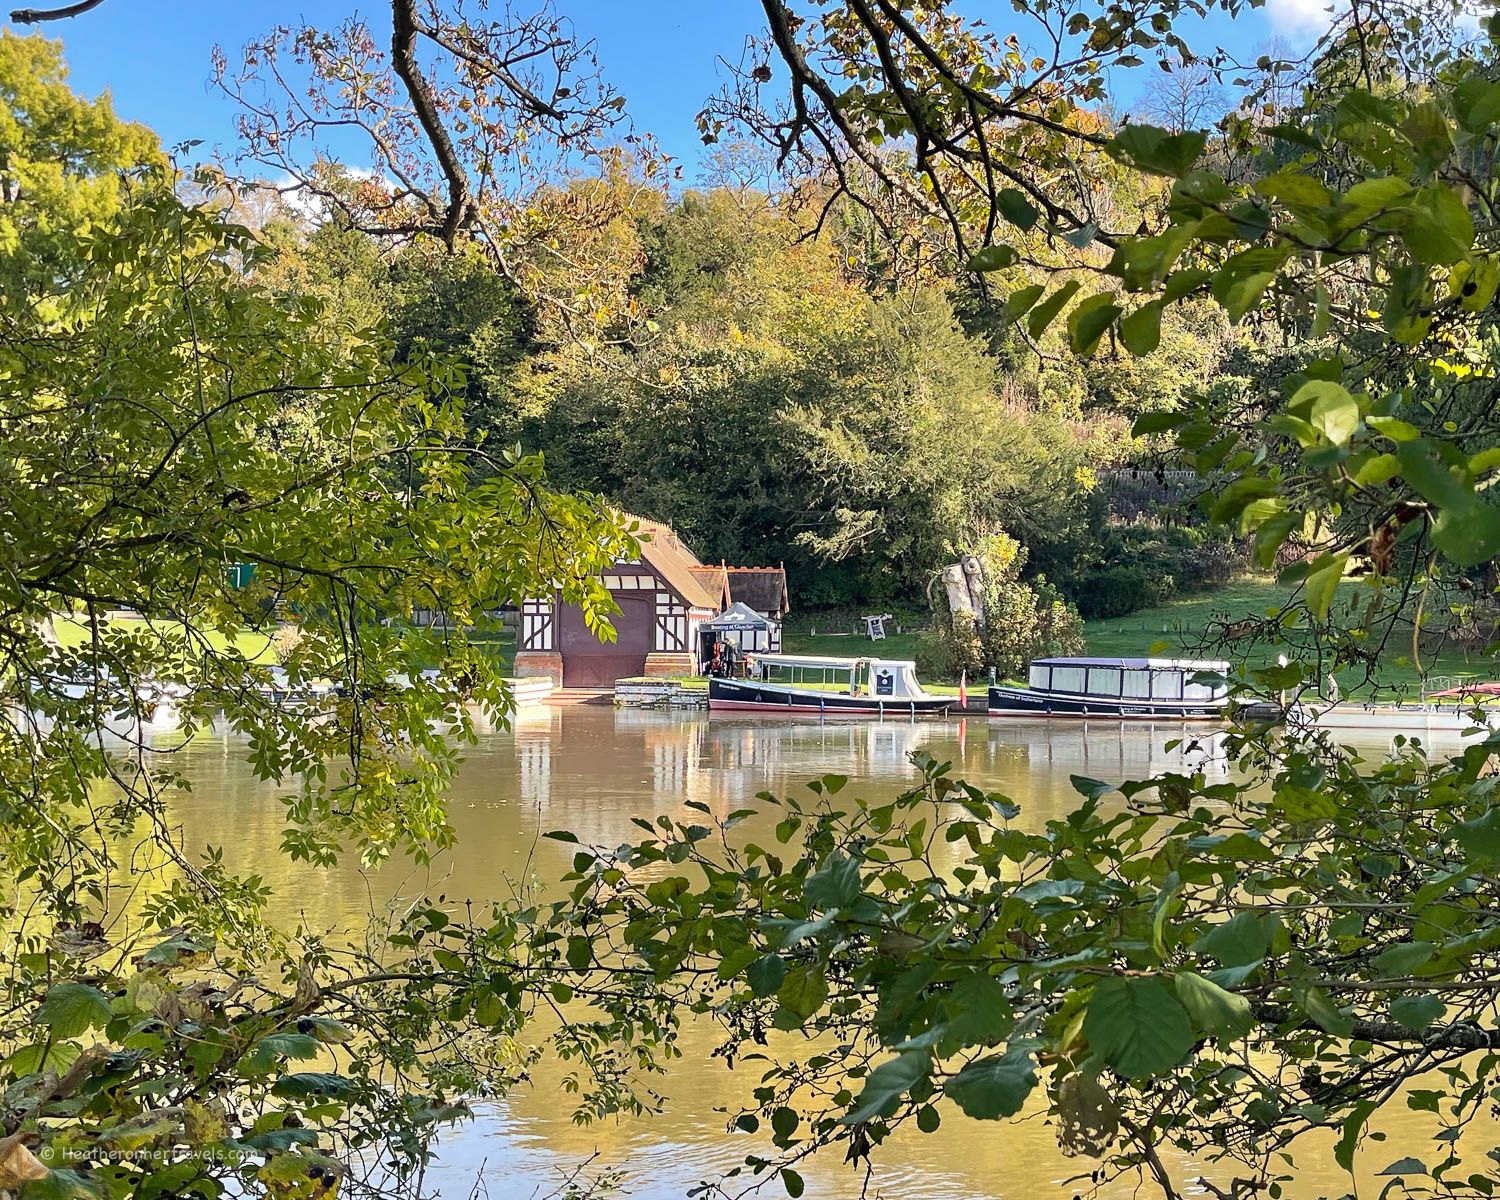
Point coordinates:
[(1184, 626), (256, 647), (498, 645), (1187, 628)]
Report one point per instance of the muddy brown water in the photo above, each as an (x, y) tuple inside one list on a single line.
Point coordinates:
[(590, 769)]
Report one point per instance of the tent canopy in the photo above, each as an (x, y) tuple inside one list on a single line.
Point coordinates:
[(739, 616)]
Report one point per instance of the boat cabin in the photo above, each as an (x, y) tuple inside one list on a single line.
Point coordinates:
[(804, 683), (1131, 678), (1145, 679), (877, 678)]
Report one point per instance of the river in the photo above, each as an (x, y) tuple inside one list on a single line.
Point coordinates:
[(590, 769)]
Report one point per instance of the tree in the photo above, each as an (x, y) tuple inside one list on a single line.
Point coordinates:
[(1183, 98), (65, 163), (171, 426)]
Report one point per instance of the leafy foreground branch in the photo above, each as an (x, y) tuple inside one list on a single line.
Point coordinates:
[(1212, 969)]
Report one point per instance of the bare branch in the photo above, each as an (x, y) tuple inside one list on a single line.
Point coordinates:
[(35, 16)]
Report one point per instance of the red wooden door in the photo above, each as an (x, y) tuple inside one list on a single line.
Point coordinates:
[(588, 662)]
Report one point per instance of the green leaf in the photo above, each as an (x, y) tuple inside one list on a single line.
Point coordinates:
[(1020, 301), (836, 884), (1405, 1166), (72, 1009), (289, 1045), (1369, 196), (1089, 320), (1377, 469), (1158, 422), (1137, 1026), (1417, 1012), (1354, 1124), (1404, 958), (1216, 1012), (1043, 314), (1091, 788), (1467, 529), (1330, 409), (997, 1085), (1440, 231), (1316, 1004), (792, 1182), (928, 1119), (886, 1084), (1322, 581), (1244, 938), (803, 991), (1016, 208), (1157, 151), (994, 258), (1480, 837), (313, 1085), (979, 1011), (580, 953), (765, 974), (1141, 330)]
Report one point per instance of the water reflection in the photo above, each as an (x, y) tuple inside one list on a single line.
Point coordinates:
[(590, 770)]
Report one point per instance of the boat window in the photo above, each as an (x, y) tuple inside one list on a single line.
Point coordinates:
[(1067, 679), (1104, 681), (1201, 691), (1137, 683), (1041, 677), (1166, 685)]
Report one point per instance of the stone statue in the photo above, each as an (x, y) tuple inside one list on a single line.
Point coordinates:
[(974, 579)]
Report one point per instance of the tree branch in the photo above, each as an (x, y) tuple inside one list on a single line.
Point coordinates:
[(35, 16), (404, 60)]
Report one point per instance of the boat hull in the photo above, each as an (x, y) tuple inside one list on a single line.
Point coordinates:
[(1401, 718), (1024, 702), (749, 695)]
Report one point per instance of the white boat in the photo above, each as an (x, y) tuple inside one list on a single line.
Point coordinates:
[(1154, 689), (801, 683), (1416, 717)]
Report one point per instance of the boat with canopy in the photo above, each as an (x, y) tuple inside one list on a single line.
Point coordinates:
[(801, 683), (1177, 689)]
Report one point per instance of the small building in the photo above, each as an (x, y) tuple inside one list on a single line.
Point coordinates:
[(746, 628), (663, 598), (761, 588)]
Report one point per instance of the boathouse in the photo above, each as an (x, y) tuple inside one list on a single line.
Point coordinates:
[(664, 597), (760, 588)]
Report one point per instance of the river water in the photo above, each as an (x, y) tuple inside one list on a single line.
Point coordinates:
[(590, 769)]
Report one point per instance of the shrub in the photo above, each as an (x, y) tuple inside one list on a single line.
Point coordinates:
[(1112, 592), (1021, 622)]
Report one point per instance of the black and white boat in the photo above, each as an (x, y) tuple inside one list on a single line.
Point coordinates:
[(1174, 689), (845, 687)]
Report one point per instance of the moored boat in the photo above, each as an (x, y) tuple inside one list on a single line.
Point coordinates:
[(1174, 689), (805, 684)]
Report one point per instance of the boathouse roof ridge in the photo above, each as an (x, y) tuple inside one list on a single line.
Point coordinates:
[(762, 588), (665, 552)]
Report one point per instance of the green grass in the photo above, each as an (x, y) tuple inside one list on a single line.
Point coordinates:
[(1190, 625), (256, 647)]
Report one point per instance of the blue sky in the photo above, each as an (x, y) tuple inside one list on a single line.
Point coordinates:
[(153, 55)]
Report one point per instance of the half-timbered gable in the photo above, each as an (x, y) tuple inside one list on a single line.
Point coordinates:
[(663, 597)]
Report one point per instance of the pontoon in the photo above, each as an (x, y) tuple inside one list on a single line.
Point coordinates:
[(1176, 689), (798, 683)]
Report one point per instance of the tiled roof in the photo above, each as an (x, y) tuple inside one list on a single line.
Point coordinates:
[(762, 588), (664, 552)]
